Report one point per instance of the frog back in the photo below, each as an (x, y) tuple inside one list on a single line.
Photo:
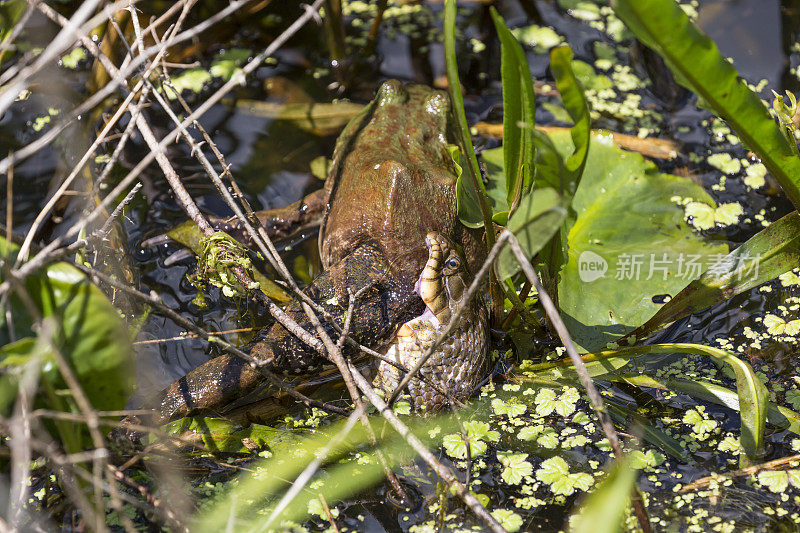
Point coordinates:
[(392, 180)]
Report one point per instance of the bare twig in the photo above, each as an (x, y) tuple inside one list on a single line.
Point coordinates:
[(586, 380), (775, 464)]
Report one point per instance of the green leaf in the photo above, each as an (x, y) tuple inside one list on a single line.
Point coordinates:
[(552, 469), (547, 401), (519, 113), (775, 480), (698, 64), (766, 255), (515, 467), (511, 408), (753, 397), (457, 99), (626, 216), (575, 103), (603, 511), (511, 521), (538, 217), (90, 333)]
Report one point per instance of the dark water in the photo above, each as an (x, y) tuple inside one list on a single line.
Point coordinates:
[(270, 160)]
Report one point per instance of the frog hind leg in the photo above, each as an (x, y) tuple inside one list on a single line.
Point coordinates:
[(281, 223), (387, 304)]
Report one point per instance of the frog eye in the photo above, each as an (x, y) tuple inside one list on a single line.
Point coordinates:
[(453, 262)]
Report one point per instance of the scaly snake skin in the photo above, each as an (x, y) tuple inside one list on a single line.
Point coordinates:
[(458, 364)]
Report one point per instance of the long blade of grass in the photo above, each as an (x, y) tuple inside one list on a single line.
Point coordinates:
[(604, 509), (519, 113), (472, 172), (578, 109), (697, 63), (752, 394)]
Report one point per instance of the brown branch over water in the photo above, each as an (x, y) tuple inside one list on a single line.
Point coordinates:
[(649, 146)]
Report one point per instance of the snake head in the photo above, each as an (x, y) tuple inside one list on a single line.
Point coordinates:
[(442, 283)]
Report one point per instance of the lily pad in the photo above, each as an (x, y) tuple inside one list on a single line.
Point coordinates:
[(629, 246)]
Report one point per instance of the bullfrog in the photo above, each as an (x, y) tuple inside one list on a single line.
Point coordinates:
[(391, 183), (458, 365)]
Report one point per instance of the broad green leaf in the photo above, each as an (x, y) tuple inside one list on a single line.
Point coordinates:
[(538, 217), (519, 113), (575, 103), (90, 333), (629, 244), (698, 64), (604, 509), (768, 254)]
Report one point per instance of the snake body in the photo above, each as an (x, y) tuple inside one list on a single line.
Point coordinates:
[(459, 363)]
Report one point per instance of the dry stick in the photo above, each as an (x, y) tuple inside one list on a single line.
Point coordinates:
[(106, 229), (6, 266), (441, 470), (749, 471), (43, 256), (20, 437), (308, 472), (586, 380), (335, 354), (328, 512), (99, 96)]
